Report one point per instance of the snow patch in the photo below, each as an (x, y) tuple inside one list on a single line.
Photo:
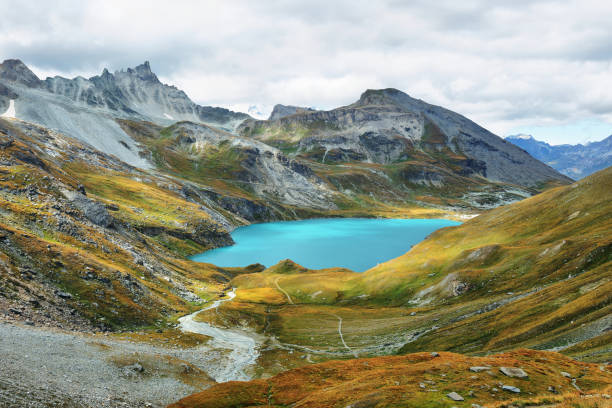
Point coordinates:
[(168, 116), (10, 112)]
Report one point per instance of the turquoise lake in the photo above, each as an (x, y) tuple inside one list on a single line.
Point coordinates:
[(354, 243)]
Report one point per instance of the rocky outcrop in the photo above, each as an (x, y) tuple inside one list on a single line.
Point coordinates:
[(137, 92), (256, 167), (94, 211), (15, 71)]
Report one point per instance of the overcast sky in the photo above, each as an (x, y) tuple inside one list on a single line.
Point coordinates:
[(541, 67)]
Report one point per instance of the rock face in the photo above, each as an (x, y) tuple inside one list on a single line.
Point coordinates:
[(261, 168), (138, 92), (575, 161), (388, 126), (280, 111), (86, 109)]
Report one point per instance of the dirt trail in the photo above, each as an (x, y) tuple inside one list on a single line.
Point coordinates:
[(342, 337), (283, 290)]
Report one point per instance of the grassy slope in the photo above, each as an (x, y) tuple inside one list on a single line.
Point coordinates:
[(534, 274), (57, 247), (395, 382)]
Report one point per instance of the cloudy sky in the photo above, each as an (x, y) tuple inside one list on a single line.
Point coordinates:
[(540, 67)]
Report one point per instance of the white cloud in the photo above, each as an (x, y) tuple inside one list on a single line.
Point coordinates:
[(505, 65)]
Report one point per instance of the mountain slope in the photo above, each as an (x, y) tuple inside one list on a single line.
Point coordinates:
[(125, 114), (87, 241), (388, 126), (244, 167), (576, 161), (532, 274), (87, 108)]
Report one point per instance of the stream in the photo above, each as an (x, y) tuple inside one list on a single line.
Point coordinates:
[(244, 347)]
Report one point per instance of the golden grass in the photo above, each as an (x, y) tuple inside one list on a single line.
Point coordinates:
[(395, 382)]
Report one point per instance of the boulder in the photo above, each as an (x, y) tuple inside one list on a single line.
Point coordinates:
[(454, 396), (94, 211), (63, 295), (513, 372), (479, 369), (511, 389)]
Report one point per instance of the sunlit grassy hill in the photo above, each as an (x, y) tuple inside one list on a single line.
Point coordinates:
[(537, 274)]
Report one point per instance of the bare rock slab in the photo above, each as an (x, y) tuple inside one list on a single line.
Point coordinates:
[(479, 369)]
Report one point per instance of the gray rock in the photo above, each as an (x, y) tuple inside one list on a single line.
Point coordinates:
[(511, 389), (136, 368), (86, 109), (435, 354), (63, 295), (94, 211), (478, 369), (566, 374), (454, 396), (513, 372)]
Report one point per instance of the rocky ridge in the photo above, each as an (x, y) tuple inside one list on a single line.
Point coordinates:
[(388, 126), (77, 106)]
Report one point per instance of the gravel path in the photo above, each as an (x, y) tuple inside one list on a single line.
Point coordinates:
[(48, 368)]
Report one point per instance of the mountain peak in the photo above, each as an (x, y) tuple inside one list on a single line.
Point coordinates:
[(280, 111), (143, 71), (381, 92), (384, 96), (15, 70)]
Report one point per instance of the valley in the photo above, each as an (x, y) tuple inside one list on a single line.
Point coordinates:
[(110, 185)]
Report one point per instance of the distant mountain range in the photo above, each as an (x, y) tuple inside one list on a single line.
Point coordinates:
[(575, 161)]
